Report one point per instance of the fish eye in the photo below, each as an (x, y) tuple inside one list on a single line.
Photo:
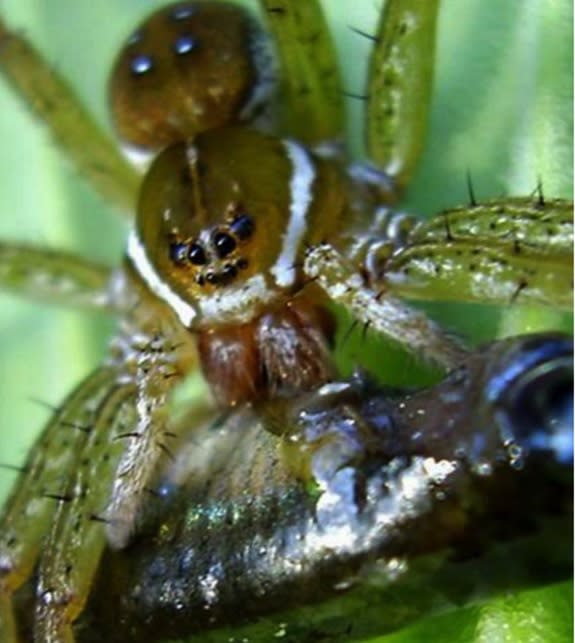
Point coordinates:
[(543, 409), (538, 405)]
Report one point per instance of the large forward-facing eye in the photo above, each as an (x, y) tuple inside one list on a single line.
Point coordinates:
[(224, 244)]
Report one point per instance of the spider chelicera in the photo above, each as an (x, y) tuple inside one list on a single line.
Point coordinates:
[(544, 178)]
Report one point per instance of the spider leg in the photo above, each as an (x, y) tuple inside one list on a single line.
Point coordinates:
[(400, 85), (155, 363), (54, 276), (77, 538), (73, 128), (381, 311), (112, 432), (514, 250), (34, 501), (311, 97)]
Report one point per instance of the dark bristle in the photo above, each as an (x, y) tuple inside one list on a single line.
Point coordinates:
[(364, 34)]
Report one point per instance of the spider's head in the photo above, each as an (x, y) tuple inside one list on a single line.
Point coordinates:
[(187, 68), (223, 221)]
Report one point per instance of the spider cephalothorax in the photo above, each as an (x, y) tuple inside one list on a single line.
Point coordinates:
[(222, 227)]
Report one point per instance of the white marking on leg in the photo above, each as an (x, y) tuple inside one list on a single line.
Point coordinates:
[(302, 178)]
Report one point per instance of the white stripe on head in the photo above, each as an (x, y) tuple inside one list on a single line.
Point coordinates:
[(302, 178), (137, 253)]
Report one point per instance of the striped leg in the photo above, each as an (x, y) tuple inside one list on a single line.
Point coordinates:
[(312, 99), (75, 131), (43, 485), (506, 251), (53, 276), (77, 538), (400, 85), (381, 311)]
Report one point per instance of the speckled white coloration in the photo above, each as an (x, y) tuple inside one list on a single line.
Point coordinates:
[(301, 192), (237, 304), (333, 388), (382, 312), (151, 358), (210, 584), (410, 493)]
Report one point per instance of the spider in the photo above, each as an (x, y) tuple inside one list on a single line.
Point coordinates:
[(179, 242)]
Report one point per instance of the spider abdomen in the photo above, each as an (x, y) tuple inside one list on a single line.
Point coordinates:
[(189, 67)]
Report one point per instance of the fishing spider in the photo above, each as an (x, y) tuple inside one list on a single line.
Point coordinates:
[(118, 517)]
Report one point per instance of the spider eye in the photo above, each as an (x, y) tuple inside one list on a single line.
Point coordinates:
[(224, 244), (242, 226), (229, 271), (184, 45), (178, 252), (141, 65), (196, 255), (182, 12)]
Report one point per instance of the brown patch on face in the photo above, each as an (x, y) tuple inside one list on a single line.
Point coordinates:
[(229, 360), (294, 348), (283, 352)]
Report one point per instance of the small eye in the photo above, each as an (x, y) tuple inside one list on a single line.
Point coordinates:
[(182, 12), (179, 253), (196, 255), (229, 272), (242, 226), (184, 44), (141, 65), (135, 38), (224, 244)]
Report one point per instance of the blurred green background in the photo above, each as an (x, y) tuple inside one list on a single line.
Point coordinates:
[(502, 111)]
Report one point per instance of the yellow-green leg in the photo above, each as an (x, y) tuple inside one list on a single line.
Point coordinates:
[(381, 311), (43, 485), (312, 101), (77, 537), (506, 251), (54, 276), (72, 127), (399, 86)]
